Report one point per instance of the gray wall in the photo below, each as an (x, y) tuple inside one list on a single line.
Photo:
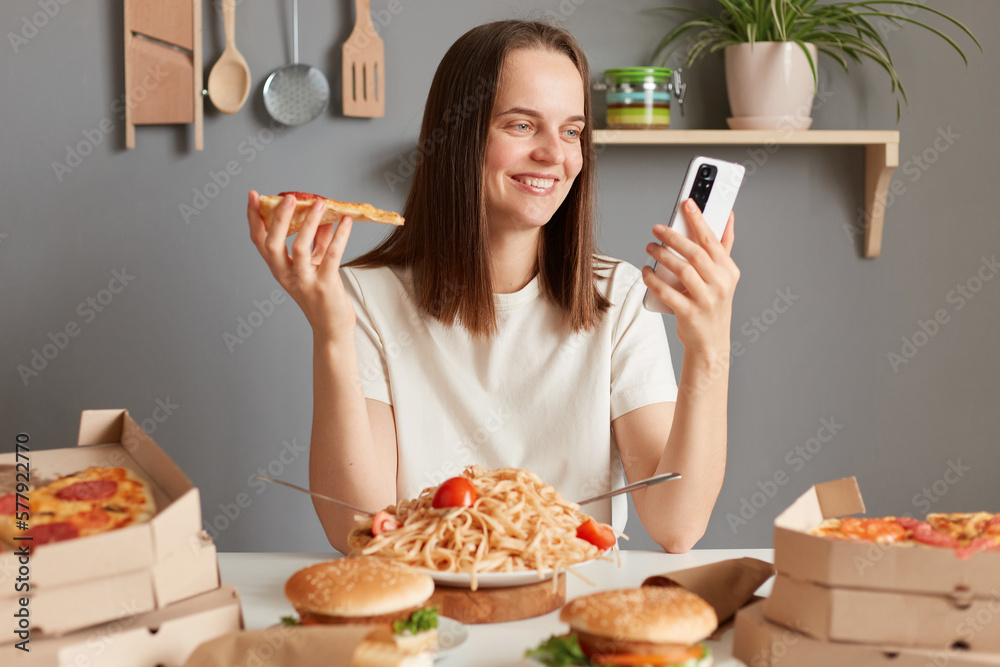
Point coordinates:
[(160, 340)]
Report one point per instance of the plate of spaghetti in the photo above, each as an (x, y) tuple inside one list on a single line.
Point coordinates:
[(485, 529)]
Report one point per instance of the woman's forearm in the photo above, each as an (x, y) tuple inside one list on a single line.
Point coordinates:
[(343, 460), (677, 513)]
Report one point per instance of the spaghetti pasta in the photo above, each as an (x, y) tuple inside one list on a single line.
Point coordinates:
[(516, 523)]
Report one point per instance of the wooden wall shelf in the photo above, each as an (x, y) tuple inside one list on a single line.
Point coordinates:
[(881, 157)]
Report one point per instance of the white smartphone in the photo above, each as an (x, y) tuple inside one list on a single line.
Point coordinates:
[(713, 185)]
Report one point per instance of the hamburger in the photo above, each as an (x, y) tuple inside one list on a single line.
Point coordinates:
[(390, 597), (660, 627)]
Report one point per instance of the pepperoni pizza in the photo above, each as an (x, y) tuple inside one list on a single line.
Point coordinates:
[(965, 532), (92, 501)]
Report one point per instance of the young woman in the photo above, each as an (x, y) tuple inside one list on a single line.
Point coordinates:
[(486, 330)]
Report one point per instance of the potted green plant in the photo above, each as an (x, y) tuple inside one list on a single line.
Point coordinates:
[(771, 49)]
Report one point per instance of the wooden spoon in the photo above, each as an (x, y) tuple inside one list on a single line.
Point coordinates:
[(229, 80)]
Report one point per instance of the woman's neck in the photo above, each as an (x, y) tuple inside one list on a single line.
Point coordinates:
[(514, 259)]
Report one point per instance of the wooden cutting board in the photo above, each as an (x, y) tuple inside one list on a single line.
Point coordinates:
[(499, 605), (163, 66)]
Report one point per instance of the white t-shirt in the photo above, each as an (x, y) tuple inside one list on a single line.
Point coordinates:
[(526, 398)]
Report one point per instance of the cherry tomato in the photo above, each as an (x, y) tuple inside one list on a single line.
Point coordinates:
[(455, 492), (598, 534), (383, 523)]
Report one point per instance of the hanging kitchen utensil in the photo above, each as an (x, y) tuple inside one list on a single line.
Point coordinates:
[(364, 67), (229, 80), (297, 93), (163, 68)]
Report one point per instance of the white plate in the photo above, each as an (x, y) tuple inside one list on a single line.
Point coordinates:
[(451, 635), (496, 579)]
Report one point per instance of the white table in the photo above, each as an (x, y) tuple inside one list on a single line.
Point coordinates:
[(260, 578)]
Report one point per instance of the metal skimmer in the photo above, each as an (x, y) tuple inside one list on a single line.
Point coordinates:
[(297, 93)]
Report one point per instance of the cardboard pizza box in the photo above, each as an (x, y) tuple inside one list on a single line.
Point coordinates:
[(108, 438), (62, 609), (164, 637), (130, 570), (868, 565), (759, 643), (880, 617)]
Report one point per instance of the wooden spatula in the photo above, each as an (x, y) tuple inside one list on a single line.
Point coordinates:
[(364, 67)]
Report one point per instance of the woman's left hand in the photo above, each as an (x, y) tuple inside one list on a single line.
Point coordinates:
[(704, 306)]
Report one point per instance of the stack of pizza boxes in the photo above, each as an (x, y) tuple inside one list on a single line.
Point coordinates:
[(145, 594), (844, 603)]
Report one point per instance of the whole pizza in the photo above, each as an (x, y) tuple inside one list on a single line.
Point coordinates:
[(89, 502), (965, 532)]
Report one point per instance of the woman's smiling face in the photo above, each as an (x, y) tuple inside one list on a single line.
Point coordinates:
[(533, 152)]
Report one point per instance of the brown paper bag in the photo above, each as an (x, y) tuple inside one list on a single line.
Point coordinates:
[(282, 646), (727, 585)]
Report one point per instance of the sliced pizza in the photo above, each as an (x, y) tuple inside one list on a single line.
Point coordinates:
[(335, 210), (964, 532), (89, 502)]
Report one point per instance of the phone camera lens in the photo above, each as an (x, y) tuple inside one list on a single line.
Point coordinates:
[(705, 171)]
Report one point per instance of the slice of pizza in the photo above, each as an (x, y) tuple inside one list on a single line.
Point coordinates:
[(89, 502), (963, 526), (884, 530), (335, 210)]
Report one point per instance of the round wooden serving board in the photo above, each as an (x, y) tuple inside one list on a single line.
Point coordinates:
[(498, 605)]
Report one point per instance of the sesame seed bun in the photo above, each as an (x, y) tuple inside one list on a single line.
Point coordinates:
[(357, 590), (642, 615)]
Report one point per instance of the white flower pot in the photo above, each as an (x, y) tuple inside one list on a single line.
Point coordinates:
[(770, 86)]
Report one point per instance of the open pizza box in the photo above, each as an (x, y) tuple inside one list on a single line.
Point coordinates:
[(759, 643), (164, 637), (867, 565), (89, 580)]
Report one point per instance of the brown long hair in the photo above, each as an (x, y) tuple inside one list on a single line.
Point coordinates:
[(445, 239)]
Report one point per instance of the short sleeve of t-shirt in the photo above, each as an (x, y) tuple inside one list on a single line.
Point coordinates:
[(371, 353), (641, 371)]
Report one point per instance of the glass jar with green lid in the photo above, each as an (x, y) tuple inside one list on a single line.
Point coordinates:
[(639, 98)]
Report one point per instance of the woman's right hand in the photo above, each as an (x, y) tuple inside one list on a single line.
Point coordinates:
[(311, 274)]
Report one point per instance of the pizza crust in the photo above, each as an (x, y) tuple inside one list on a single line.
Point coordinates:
[(335, 210)]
